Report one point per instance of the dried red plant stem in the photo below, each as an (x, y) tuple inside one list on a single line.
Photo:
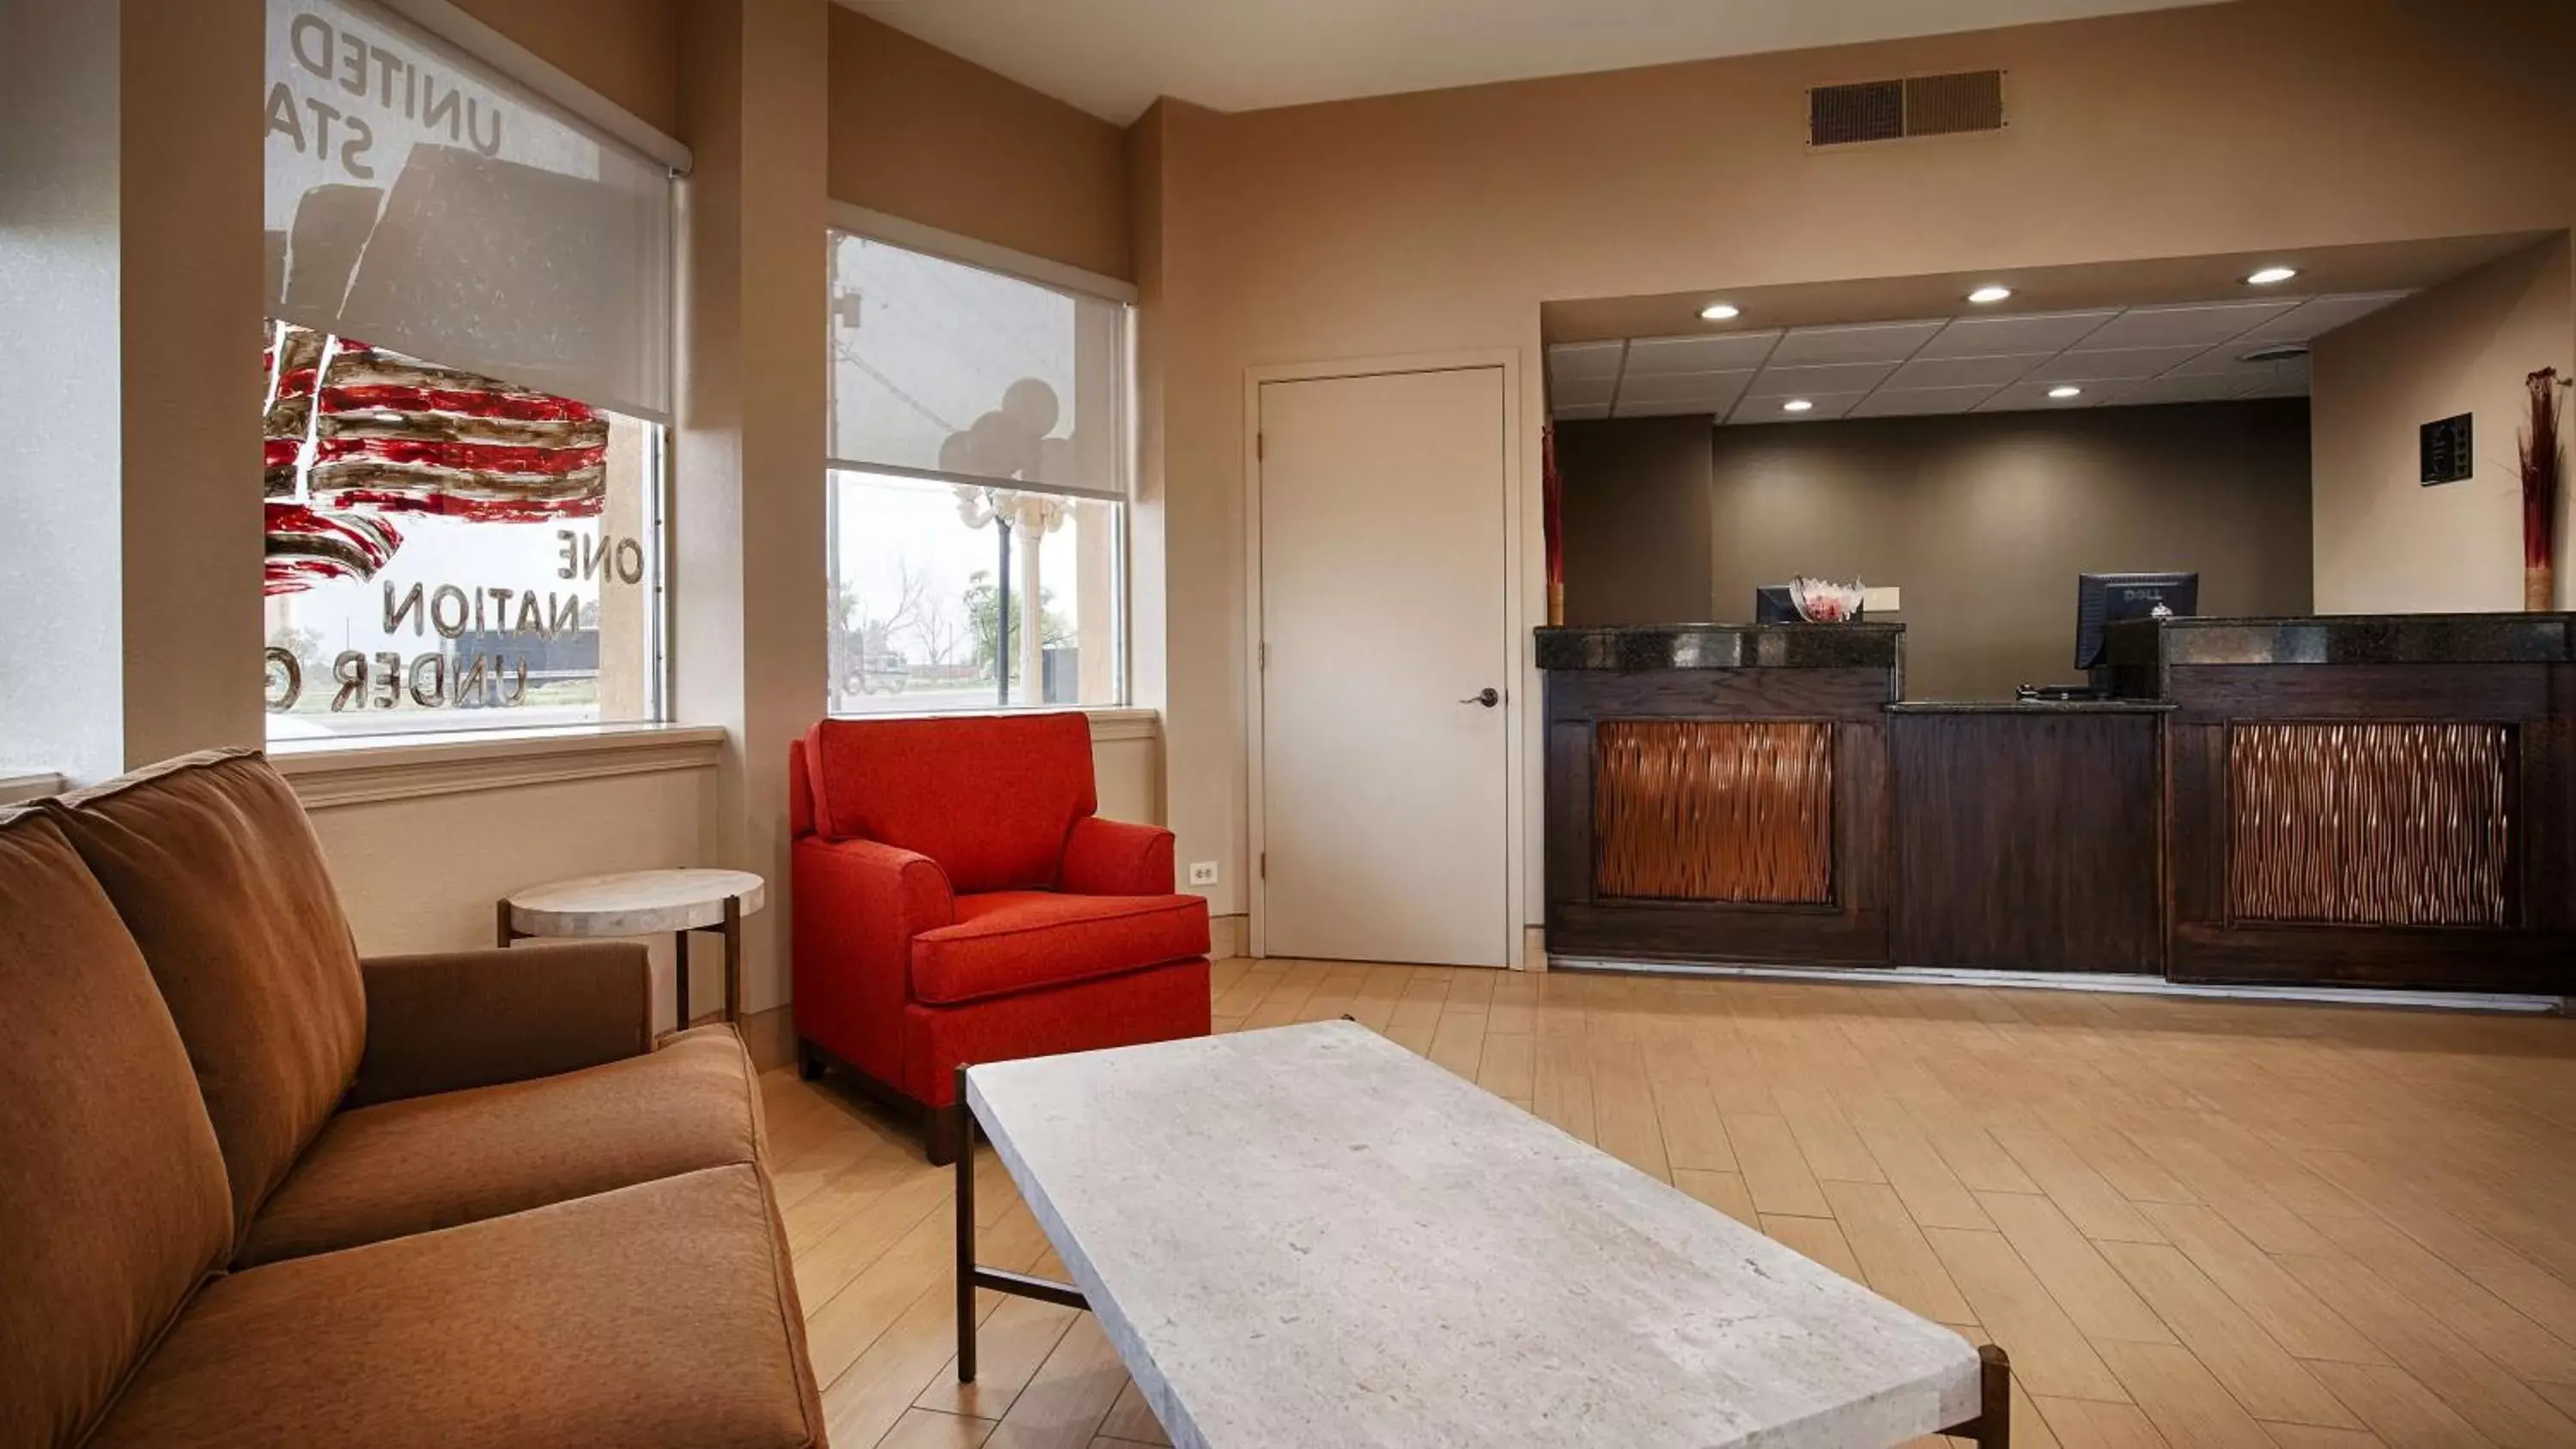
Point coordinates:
[(2541, 460)]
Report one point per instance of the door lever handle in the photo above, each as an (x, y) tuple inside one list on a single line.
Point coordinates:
[(1487, 697)]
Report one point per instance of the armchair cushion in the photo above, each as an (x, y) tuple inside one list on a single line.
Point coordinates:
[(424, 1163), (1114, 858), (460, 1019), (990, 798), (1010, 941), (218, 874)]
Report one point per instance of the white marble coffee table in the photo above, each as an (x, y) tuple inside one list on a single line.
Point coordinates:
[(644, 903), (1311, 1236)]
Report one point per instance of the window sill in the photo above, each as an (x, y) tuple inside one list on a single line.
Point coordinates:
[(19, 789), (1108, 722), (328, 773)]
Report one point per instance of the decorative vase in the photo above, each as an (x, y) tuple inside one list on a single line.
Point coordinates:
[(2541, 463)]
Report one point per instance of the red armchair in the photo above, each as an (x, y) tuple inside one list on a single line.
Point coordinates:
[(957, 901)]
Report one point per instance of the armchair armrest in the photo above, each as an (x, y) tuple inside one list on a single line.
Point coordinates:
[(1115, 858), (453, 1020)]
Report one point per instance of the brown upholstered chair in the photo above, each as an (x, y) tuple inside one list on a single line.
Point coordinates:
[(254, 1190)]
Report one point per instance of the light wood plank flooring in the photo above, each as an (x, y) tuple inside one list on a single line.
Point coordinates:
[(2191, 1222)]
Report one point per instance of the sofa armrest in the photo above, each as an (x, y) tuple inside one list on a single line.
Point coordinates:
[(452, 1020), (1114, 858)]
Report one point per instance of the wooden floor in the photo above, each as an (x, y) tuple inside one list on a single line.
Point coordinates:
[(2191, 1222)]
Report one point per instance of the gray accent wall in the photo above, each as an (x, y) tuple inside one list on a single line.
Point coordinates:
[(1982, 521)]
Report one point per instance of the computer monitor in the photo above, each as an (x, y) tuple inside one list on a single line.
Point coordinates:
[(1772, 605), (2102, 599)]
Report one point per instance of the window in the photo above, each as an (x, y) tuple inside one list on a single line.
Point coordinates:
[(468, 378), (977, 488)]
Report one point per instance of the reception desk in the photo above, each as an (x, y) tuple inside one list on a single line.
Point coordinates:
[(2364, 801)]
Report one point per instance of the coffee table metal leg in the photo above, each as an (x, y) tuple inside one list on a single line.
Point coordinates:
[(965, 1239), (680, 983), (1992, 1428)]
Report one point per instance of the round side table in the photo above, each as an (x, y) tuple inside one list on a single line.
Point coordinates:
[(644, 903)]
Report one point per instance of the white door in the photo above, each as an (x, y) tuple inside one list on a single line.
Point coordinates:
[(1383, 762)]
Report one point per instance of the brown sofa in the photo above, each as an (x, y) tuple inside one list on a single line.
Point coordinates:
[(257, 1191)]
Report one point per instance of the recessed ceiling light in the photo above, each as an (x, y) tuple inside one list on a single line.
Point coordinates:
[(1986, 296), (1720, 312), (2271, 276), (1796, 405), (2066, 390)]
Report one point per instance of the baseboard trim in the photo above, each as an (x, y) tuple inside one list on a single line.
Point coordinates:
[(2082, 981), (1229, 936)]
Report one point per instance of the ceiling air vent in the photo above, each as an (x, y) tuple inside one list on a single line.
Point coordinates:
[(1888, 110)]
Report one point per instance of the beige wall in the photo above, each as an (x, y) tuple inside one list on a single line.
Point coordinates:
[(627, 50), (2383, 540), (1440, 221), (923, 135), (131, 258), (1983, 522)]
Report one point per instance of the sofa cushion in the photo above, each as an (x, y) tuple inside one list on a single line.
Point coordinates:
[(989, 798), (1006, 941), (112, 1196), (655, 1315), (217, 873), (458, 1157)]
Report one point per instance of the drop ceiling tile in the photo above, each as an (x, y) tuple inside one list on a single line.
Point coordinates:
[(1584, 359), (2009, 334), (2226, 358), (1712, 352), (1580, 412), (2321, 315), (2194, 324), (2113, 365), (2185, 389), (1768, 409), (1579, 391), (1867, 342), (1776, 381), (1910, 402), (1947, 372), (2033, 395), (1715, 390), (1628, 409)]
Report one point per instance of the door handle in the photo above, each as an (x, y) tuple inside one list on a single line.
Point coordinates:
[(1487, 697)]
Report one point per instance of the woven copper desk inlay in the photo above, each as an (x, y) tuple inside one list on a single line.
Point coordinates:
[(1714, 810), (2369, 824)]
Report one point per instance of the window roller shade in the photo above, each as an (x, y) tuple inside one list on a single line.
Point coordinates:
[(944, 370), (419, 202)]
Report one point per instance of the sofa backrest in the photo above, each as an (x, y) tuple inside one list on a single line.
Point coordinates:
[(113, 1203), (989, 797), (217, 873)]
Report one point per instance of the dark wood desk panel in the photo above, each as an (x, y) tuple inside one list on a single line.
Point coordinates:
[(1719, 793), (2026, 840), (2367, 801)]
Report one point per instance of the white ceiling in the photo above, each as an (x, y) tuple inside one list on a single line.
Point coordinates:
[(1113, 57), (2188, 352)]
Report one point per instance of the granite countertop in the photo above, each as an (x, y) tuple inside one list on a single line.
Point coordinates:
[(2030, 706), (2346, 639), (1722, 646)]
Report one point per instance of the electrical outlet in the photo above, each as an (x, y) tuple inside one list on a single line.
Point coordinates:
[(1203, 872)]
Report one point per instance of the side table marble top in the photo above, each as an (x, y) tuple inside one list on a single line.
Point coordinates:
[(645, 903), (633, 903), (1311, 1236)]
